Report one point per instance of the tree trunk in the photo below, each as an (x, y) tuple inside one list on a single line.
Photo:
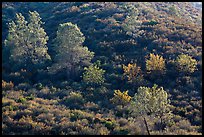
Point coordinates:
[(161, 127), (146, 126)]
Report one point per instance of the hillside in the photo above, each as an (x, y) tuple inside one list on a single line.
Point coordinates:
[(114, 47)]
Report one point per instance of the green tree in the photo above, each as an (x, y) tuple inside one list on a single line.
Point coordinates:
[(173, 10), (70, 54), (131, 23), (185, 63), (150, 101), (27, 42), (93, 75)]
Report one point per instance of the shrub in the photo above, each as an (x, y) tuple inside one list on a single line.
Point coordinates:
[(6, 85), (23, 86), (184, 124), (103, 131), (155, 63), (185, 63), (22, 100), (132, 72), (39, 86), (73, 100), (121, 97), (93, 75), (151, 22)]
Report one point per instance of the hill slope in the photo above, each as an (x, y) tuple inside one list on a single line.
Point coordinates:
[(118, 33)]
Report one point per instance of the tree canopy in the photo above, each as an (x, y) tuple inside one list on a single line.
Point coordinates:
[(27, 42), (70, 53)]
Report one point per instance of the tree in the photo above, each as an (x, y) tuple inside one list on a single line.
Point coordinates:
[(93, 75), (70, 54), (185, 63), (155, 64), (121, 97), (133, 72), (150, 101), (131, 23), (27, 42), (173, 10)]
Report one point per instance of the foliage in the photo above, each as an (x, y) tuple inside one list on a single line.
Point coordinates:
[(22, 100), (6, 85), (132, 72), (185, 63), (27, 42), (70, 54), (151, 22), (121, 97), (93, 75), (55, 103), (132, 24), (155, 63), (150, 101), (172, 10), (73, 100)]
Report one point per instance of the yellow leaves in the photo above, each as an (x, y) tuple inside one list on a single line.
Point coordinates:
[(121, 97), (155, 63), (185, 63), (6, 85), (132, 72)]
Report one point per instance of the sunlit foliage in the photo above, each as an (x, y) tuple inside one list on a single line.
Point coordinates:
[(132, 72), (70, 54), (93, 75), (121, 97), (60, 97), (155, 63), (185, 63), (151, 101), (7, 85), (27, 42)]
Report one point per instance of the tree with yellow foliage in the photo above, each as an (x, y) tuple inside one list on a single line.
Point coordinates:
[(185, 63), (121, 97), (132, 72), (7, 85), (155, 63)]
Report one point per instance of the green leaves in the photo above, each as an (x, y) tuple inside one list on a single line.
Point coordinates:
[(150, 101), (93, 75), (70, 54), (69, 36), (27, 41)]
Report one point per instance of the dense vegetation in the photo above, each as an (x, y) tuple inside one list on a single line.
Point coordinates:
[(88, 68)]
